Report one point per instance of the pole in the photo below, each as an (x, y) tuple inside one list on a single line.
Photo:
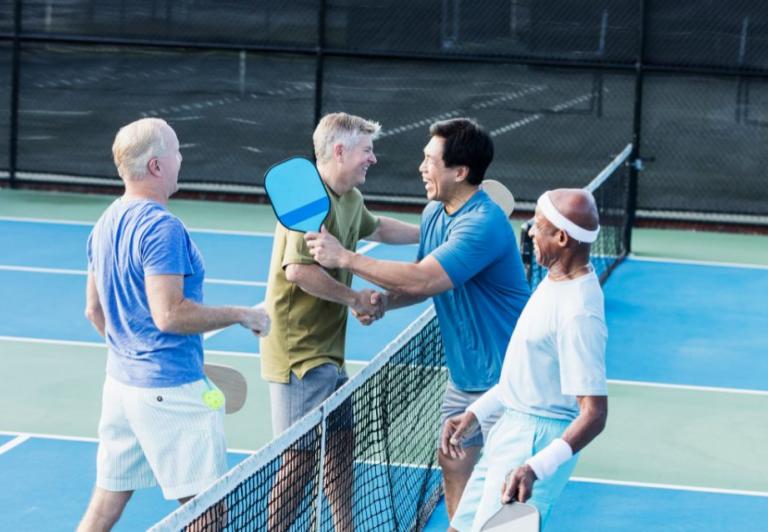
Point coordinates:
[(635, 160), (15, 82)]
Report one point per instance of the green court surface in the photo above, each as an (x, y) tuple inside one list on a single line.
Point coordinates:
[(683, 437), (51, 395)]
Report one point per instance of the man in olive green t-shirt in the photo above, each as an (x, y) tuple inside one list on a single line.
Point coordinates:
[(303, 358)]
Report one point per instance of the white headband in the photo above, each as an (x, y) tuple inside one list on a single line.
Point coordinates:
[(549, 210)]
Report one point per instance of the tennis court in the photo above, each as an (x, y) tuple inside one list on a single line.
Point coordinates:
[(683, 450)]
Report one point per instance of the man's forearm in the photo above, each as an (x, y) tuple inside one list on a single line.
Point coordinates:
[(405, 278), (315, 281), (588, 424), (96, 317), (398, 300), (188, 317)]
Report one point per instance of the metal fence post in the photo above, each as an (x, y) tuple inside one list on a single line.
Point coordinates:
[(637, 127), (15, 70), (320, 60)]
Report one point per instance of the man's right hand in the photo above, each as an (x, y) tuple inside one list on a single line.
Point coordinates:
[(454, 430), (369, 306), (257, 320)]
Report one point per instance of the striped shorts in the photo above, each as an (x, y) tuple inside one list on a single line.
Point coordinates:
[(165, 436)]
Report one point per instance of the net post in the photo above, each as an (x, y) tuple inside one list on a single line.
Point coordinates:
[(634, 169), (321, 474), (637, 121)]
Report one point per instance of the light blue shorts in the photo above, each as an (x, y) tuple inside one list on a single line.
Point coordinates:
[(513, 440), (455, 402), (166, 436), (293, 400)]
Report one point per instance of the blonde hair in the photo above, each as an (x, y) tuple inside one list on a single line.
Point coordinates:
[(341, 128), (135, 144)]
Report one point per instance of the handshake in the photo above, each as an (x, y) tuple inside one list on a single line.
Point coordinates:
[(369, 306)]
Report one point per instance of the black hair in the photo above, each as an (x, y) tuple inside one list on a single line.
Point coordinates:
[(467, 143)]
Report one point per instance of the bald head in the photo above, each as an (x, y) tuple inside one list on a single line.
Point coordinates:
[(578, 205)]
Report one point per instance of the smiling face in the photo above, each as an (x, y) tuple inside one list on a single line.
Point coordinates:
[(439, 180), (356, 160)]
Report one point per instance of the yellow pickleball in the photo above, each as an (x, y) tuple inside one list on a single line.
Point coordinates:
[(213, 399)]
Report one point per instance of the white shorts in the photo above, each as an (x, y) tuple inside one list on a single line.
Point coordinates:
[(165, 436), (513, 440)]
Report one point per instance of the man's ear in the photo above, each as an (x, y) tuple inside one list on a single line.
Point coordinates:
[(462, 172), (153, 166), (338, 152), (562, 238)]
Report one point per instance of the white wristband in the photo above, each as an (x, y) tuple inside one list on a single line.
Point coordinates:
[(545, 462)]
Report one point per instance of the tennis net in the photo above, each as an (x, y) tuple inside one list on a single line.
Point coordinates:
[(611, 191), (366, 454)]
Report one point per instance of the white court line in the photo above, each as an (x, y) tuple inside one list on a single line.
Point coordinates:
[(30, 269), (74, 343), (36, 137), (245, 354), (18, 440), (102, 345), (236, 283), (90, 224), (251, 149), (689, 387), (537, 116), (516, 124), (236, 354), (44, 221), (54, 113), (245, 121), (229, 232), (458, 112), (678, 487), (700, 262), (368, 247), (61, 271), (84, 439)]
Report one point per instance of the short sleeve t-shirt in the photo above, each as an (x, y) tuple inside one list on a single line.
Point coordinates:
[(131, 240), (557, 351), (308, 331), (477, 249)]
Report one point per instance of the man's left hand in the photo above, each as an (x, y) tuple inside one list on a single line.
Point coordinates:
[(519, 485), (325, 248)]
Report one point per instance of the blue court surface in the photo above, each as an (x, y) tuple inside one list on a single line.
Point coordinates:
[(587, 506), (51, 481), (670, 324), (689, 324)]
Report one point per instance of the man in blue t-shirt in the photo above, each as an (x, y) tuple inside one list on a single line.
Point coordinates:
[(144, 296), (468, 262)]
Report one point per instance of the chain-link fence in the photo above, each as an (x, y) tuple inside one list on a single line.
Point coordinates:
[(562, 86)]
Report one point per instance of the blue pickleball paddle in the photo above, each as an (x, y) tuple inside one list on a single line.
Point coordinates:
[(297, 194)]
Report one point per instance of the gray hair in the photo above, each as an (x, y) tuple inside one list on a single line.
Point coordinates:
[(341, 128), (135, 144)]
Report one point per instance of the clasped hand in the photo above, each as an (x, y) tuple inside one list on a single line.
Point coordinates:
[(369, 306)]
